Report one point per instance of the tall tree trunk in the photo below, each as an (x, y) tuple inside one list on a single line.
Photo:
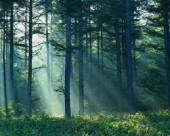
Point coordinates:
[(167, 46), (102, 51), (12, 51), (134, 51), (68, 61), (30, 61), (119, 64), (129, 58), (76, 89), (47, 44), (90, 50), (4, 67), (51, 47), (81, 78), (26, 48), (1, 55), (86, 51), (123, 59), (7, 51), (98, 45)]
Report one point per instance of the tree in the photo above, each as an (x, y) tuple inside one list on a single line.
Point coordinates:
[(167, 46), (119, 66), (68, 61), (129, 58), (26, 35), (12, 49), (4, 63), (81, 78), (30, 60), (47, 42)]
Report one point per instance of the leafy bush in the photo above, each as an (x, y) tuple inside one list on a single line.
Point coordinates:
[(118, 124)]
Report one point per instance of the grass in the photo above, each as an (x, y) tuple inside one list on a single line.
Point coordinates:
[(118, 124)]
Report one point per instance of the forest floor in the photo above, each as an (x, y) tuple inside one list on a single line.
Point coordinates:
[(117, 124)]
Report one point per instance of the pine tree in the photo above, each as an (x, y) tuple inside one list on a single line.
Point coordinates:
[(68, 61), (30, 59), (129, 58)]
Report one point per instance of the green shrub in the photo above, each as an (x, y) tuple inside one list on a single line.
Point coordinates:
[(39, 124)]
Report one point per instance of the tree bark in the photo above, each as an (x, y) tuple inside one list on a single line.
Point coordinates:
[(4, 66), (81, 76), (47, 45), (68, 61), (129, 58), (26, 37), (30, 61), (12, 51), (167, 46), (119, 64)]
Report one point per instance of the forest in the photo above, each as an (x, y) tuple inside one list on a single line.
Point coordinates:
[(84, 68)]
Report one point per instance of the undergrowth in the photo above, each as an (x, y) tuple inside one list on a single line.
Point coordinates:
[(117, 124)]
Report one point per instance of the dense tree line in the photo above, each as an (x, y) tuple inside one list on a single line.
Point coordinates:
[(101, 55)]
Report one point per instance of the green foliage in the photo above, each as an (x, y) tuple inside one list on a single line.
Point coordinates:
[(119, 124)]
